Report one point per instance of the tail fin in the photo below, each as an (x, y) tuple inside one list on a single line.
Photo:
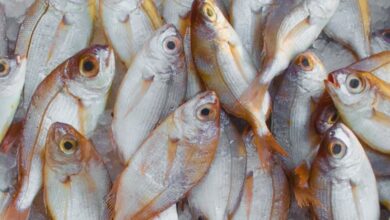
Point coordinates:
[(265, 139), (304, 195)]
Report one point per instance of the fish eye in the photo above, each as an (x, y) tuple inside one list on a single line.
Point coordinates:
[(206, 113), (89, 66), (172, 45), (354, 84), (304, 62), (4, 68), (337, 149), (208, 12), (68, 146)]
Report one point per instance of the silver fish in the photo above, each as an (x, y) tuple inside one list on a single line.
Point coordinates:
[(128, 24), (266, 191), (342, 178), (218, 194), (53, 31), (293, 106), (75, 179), (74, 93), (156, 83), (290, 29), (170, 162), (353, 30), (380, 41), (377, 64)]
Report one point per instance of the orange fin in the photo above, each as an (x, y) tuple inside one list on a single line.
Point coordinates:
[(13, 213), (110, 199), (11, 139), (270, 142), (302, 192)]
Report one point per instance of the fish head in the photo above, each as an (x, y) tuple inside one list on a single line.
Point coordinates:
[(328, 116), (66, 150), (308, 72), (90, 72), (340, 153), (351, 90), (198, 119), (12, 70)]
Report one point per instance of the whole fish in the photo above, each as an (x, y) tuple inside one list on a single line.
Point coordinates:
[(74, 93), (156, 83), (3, 31), (12, 75), (362, 101), (342, 179), (170, 162), (76, 180), (353, 30), (52, 31), (248, 19), (225, 66), (128, 24), (294, 103), (266, 191), (290, 29), (178, 13), (380, 41), (218, 194)]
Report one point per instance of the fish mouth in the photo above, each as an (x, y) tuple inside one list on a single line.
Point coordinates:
[(332, 80)]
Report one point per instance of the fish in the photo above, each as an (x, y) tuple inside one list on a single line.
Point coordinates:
[(174, 158), (266, 191), (178, 13), (361, 99), (218, 194), (380, 41), (74, 93), (225, 67), (353, 30), (248, 19), (128, 24), (294, 103), (3, 31), (157, 83), (52, 31), (12, 76), (75, 179), (290, 29), (325, 116), (341, 178)]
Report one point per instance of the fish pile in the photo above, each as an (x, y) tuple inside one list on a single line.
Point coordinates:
[(194, 109)]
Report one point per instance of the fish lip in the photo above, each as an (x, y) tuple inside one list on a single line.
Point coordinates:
[(332, 80)]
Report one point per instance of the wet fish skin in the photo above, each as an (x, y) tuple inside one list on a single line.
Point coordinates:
[(248, 19), (380, 41), (76, 180), (218, 194), (73, 93), (8, 178), (362, 102), (290, 29), (225, 66), (170, 162), (128, 24), (52, 32), (12, 79), (342, 178), (157, 83), (352, 30), (266, 191)]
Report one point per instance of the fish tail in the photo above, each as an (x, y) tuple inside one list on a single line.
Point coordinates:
[(12, 212), (303, 194), (264, 138)]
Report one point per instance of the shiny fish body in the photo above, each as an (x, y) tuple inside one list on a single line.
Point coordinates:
[(178, 13), (248, 19), (11, 85), (53, 31), (380, 41), (352, 30), (377, 64), (302, 86), (218, 194), (3, 36), (69, 95), (290, 29), (266, 192), (128, 24), (156, 82), (170, 162), (8, 175), (342, 178), (76, 180)]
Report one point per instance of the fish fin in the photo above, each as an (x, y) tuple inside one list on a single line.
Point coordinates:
[(12, 137), (366, 21), (110, 200), (152, 13), (12, 212), (268, 140), (302, 192)]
